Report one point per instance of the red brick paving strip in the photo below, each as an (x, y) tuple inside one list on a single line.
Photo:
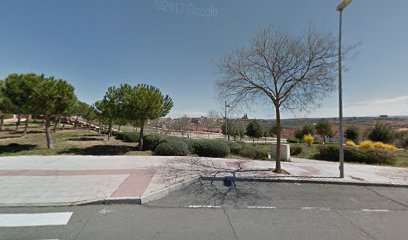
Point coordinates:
[(134, 185)]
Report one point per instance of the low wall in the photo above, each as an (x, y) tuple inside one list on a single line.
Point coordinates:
[(284, 152)]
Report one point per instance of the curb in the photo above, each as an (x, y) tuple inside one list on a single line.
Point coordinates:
[(167, 190), (145, 198), (311, 181)]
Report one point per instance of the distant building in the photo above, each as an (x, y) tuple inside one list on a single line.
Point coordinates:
[(383, 116)]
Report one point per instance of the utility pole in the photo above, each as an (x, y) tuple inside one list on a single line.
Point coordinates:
[(340, 8)]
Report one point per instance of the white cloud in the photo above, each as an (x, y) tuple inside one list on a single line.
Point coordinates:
[(382, 101), (374, 107), (188, 113)]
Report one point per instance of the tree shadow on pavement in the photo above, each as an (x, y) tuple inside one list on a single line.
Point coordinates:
[(218, 194), (207, 193), (15, 147), (100, 150)]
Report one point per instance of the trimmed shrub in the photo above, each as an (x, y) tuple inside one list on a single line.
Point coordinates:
[(388, 147), (188, 141), (190, 144), (308, 139), (367, 144), (295, 150), (211, 148), (379, 145), (127, 136), (253, 152), (370, 156), (351, 143), (235, 148), (150, 142), (172, 148), (292, 140)]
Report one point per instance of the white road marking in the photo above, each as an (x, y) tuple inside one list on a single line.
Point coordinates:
[(375, 210), (203, 206), (106, 211), (316, 208), (34, 219), (261, 207)]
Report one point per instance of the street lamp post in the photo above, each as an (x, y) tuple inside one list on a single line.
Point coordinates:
[(226, 120), (340, 8)]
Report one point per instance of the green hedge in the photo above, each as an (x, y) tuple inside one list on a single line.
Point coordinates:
[(172, 148), (295, 150), (190, 142), (293, 140), (253, 152), (211, 148), (150, 142), (370, 156), (127, 136), (235, 148)]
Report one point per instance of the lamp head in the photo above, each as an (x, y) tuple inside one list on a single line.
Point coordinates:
[(343, 5)]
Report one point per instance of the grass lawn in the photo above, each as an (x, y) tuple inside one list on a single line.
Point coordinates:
[(402, 158), (68, 141)]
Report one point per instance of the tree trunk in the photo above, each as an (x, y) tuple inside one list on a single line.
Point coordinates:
[(324, 139), (18, 121), (110, 130), (278, 168), (1, 122), (76, 122), (119, 128), (56, 124), (141, 136), (25, 127), (63, 126), (48, 133)]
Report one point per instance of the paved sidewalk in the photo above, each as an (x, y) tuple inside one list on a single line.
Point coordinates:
[(67, 180)]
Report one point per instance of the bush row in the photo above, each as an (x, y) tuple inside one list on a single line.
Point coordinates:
[(172, 148), (370, 156), (127, 136), (176, 146)]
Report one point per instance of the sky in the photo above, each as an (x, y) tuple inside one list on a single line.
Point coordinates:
[(175, 44)]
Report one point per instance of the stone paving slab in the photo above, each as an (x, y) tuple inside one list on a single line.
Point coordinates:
[(67, 180)]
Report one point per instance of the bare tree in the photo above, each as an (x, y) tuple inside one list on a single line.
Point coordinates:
[(293, 72), (182, 124)]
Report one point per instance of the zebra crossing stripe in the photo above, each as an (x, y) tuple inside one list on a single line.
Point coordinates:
[(34, 219)]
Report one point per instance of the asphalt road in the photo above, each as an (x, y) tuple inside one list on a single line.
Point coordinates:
[(251, 211)]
